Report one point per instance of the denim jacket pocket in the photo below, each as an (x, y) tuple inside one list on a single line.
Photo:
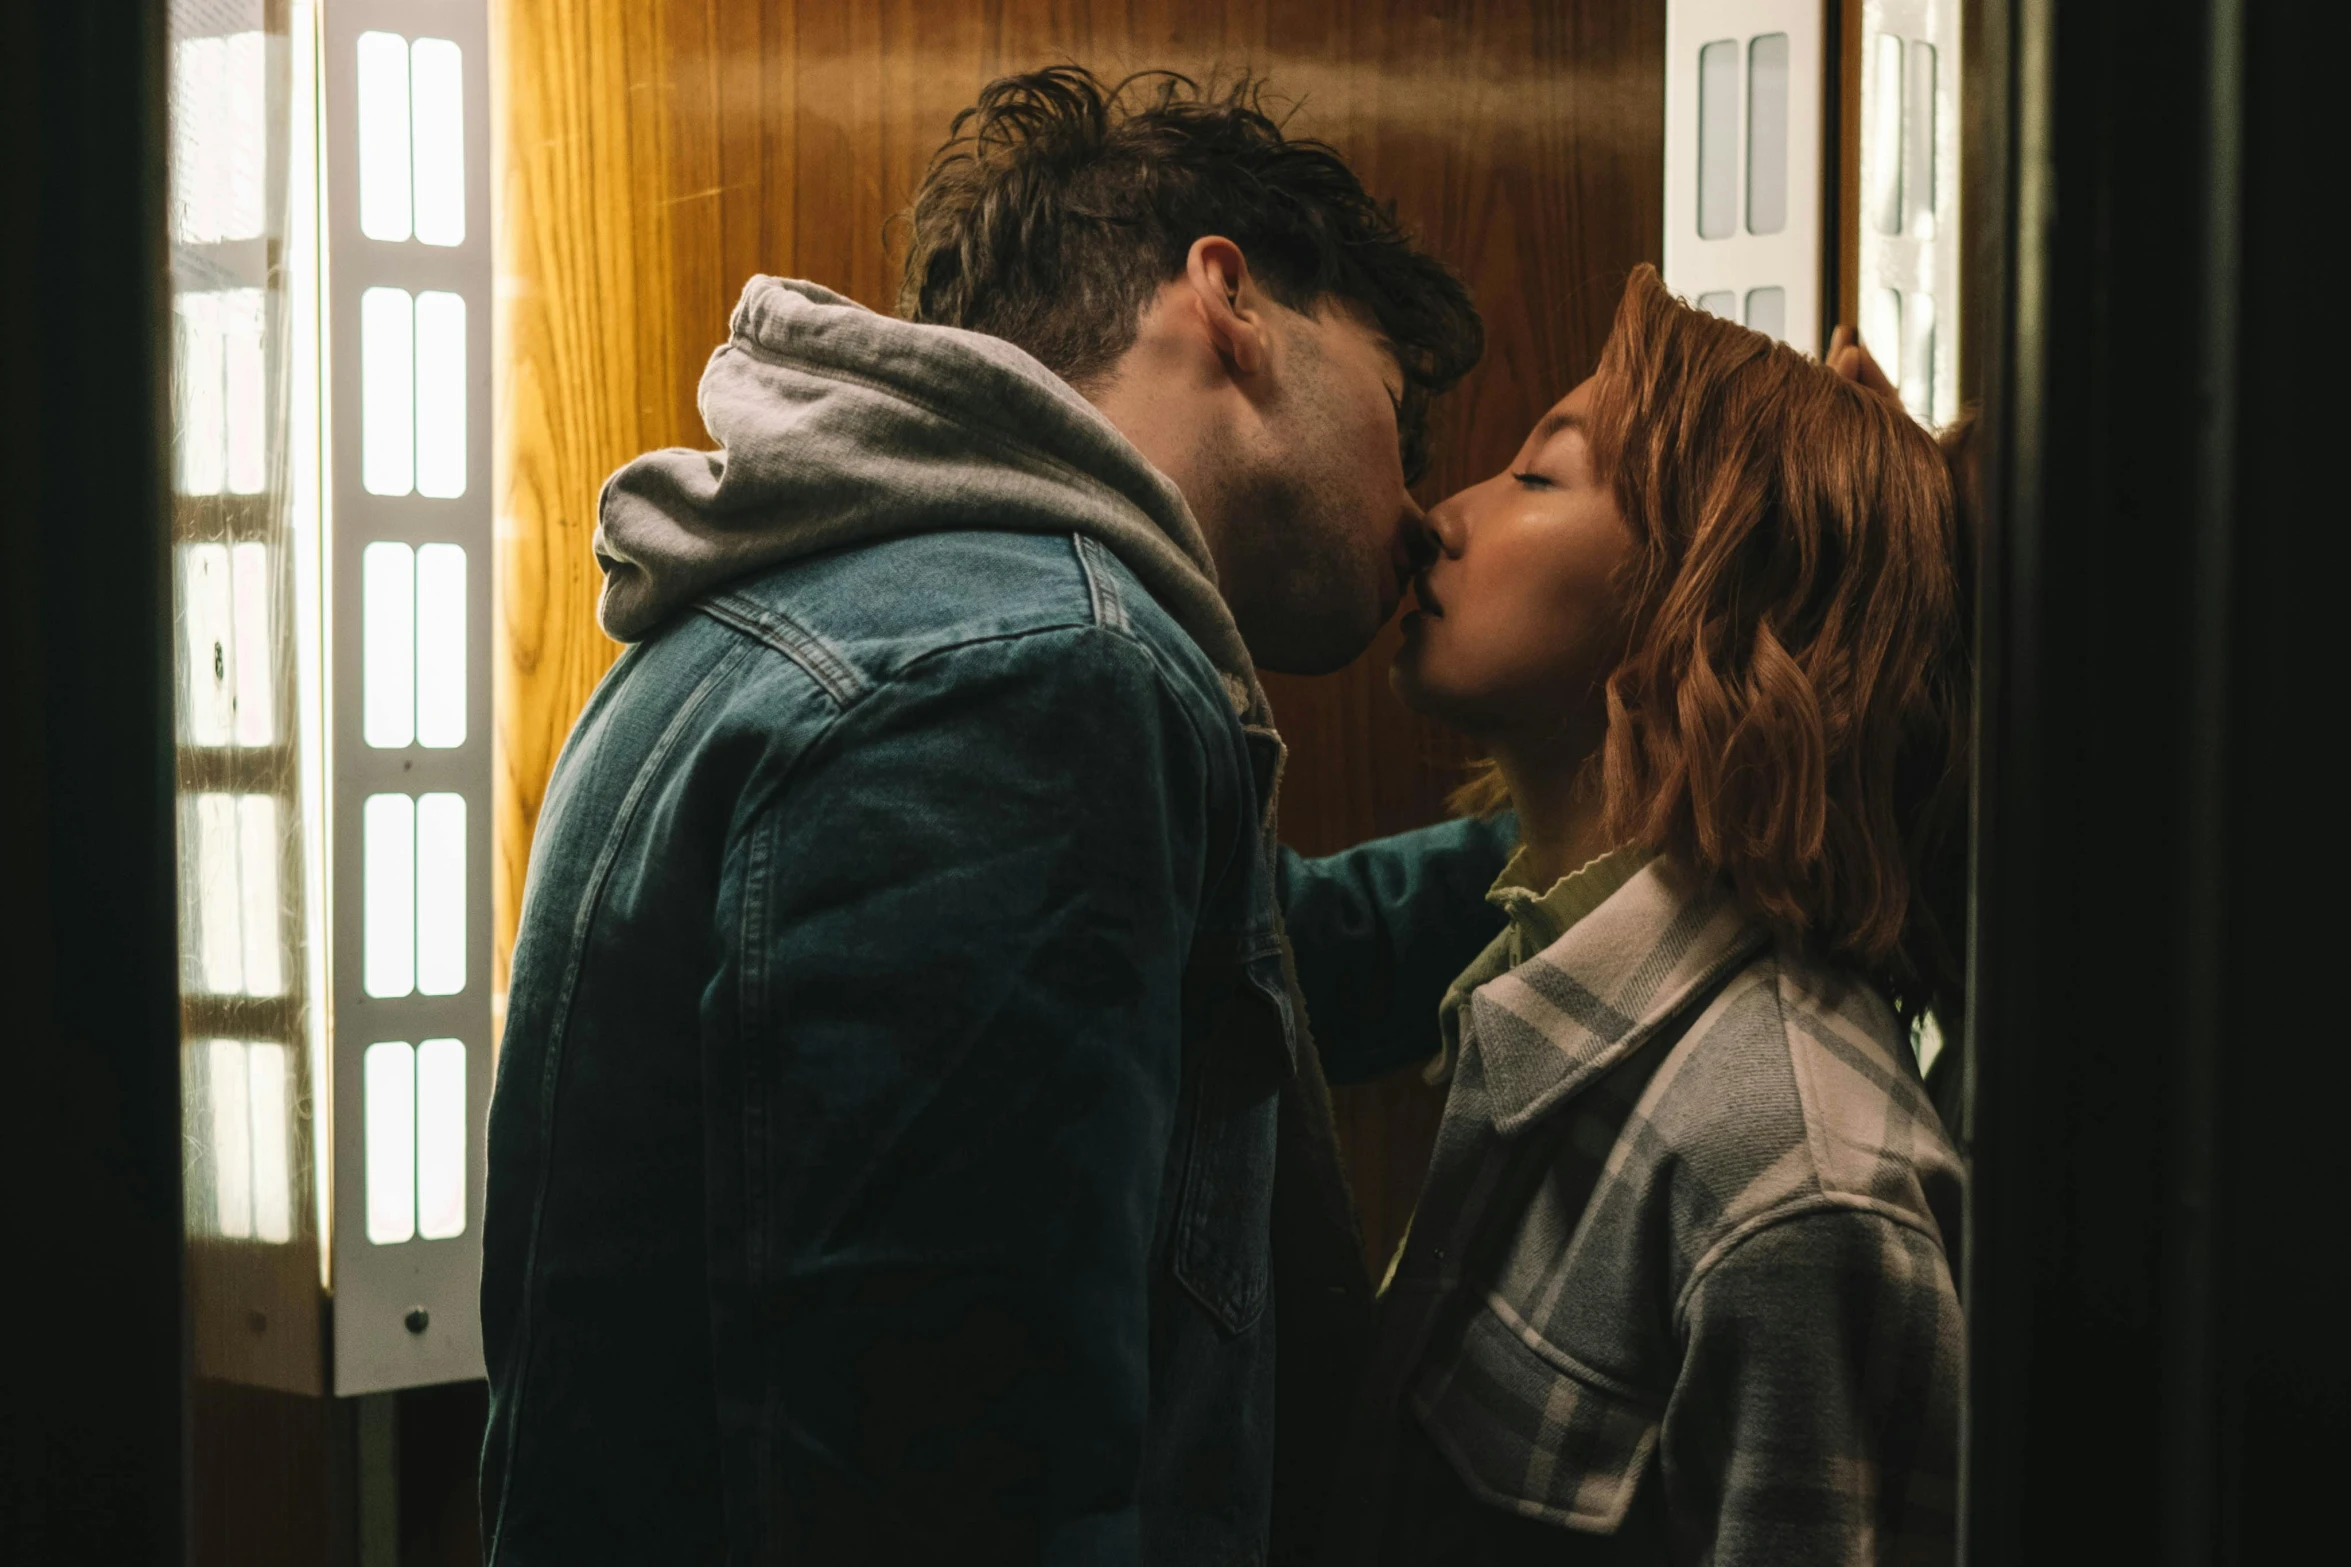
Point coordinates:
[(1223, 1252), (1530, 1430)]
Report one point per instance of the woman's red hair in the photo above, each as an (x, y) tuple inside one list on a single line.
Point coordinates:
[(1792, 714)]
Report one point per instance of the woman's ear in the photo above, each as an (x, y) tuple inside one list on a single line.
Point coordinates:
[(1232, 311)]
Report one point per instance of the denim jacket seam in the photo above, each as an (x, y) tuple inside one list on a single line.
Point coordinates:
[(1109, 604), (774, 629), (591, 900)]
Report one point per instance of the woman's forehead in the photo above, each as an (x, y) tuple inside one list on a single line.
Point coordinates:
[(1569, 414)]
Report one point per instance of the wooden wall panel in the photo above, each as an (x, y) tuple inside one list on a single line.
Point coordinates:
[(651, 156)]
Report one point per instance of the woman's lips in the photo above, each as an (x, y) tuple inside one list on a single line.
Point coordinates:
[(1425, 601)]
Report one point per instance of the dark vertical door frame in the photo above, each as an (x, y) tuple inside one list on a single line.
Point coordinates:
[(2156, 1276), (92, 1390)]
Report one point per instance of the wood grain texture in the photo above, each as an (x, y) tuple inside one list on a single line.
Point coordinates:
[(652, 156)]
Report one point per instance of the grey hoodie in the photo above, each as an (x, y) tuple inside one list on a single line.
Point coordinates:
[(837, 426)]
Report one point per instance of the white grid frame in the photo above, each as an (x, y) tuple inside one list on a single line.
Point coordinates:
[(1792, 258), (1923, 258), (405, 1314)]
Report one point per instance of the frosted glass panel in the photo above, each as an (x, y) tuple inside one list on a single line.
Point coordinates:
[(1767, 311), (233, 942), (244, 394), (219, 157), (208, 629), (203, 414), (440, 395), (230, 1103), (1882, 161), (413, 651), (273, 1166), (1718, 139), (383, 136), (1722, 302), (387, 391), (388, 1073), (257, 899), (1881, 330), (249, 662), (1767, 134), (437, 77), (248, 1131), (440, 646), (1918, 142), (388, 895), (440, 894), (387, 666), (440, 1139), (222, 408), (219, 911), (1917, 377)]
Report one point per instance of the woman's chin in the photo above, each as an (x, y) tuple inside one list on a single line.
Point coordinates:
[(1408, 677)]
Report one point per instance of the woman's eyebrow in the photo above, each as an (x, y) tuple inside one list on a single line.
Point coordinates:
[(1556, 420)]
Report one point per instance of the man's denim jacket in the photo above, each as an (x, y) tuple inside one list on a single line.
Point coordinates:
[(883, 1161)]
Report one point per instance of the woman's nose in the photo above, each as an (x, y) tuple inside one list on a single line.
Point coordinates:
[(1447, 526)]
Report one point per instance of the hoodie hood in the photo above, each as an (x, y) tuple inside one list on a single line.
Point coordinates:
[(837, 426)]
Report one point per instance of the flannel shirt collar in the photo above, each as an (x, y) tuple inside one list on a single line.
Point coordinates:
[(1575, 1009)]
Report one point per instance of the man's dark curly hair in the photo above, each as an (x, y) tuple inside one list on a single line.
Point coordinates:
[(1061, 204)]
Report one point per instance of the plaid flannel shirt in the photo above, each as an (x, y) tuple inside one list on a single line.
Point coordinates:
[(1717, 1324)]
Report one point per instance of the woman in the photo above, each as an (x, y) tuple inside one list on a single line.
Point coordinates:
[(1679, 1287)]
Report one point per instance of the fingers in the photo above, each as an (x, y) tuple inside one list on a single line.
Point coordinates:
[(1851, 359)]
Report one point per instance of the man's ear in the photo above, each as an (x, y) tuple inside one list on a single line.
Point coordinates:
[(1230, 305)]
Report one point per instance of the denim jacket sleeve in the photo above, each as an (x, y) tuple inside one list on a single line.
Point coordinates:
[(1381, 929), (944, 1064)]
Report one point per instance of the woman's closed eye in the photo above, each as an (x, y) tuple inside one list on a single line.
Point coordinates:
[(1534, 481)]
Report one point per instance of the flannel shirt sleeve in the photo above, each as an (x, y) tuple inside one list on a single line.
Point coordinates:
[(1816, 1418)]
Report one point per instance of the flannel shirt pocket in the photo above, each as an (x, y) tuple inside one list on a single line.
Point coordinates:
[(1223, 1251), (1530, 1431)]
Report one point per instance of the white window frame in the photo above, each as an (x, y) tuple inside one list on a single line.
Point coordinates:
[(1792, 258), (405, 1314)]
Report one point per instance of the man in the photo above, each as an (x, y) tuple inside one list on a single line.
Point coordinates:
[(908, 1144)]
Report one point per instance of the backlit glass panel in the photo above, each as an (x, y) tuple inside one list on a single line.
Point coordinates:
[(1718, 139), (436, 76), (440, 646), (1767, 134), (257, 895), (387, 674), (254, 700), (388, 1116), (440, 894), (1882, 174), (1918, 144), (219, 157), (440, 1139), (209, 644), (231, 1125), (440, 394), (384, 140), (387, 391), (388, 895), (268, 1116)]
